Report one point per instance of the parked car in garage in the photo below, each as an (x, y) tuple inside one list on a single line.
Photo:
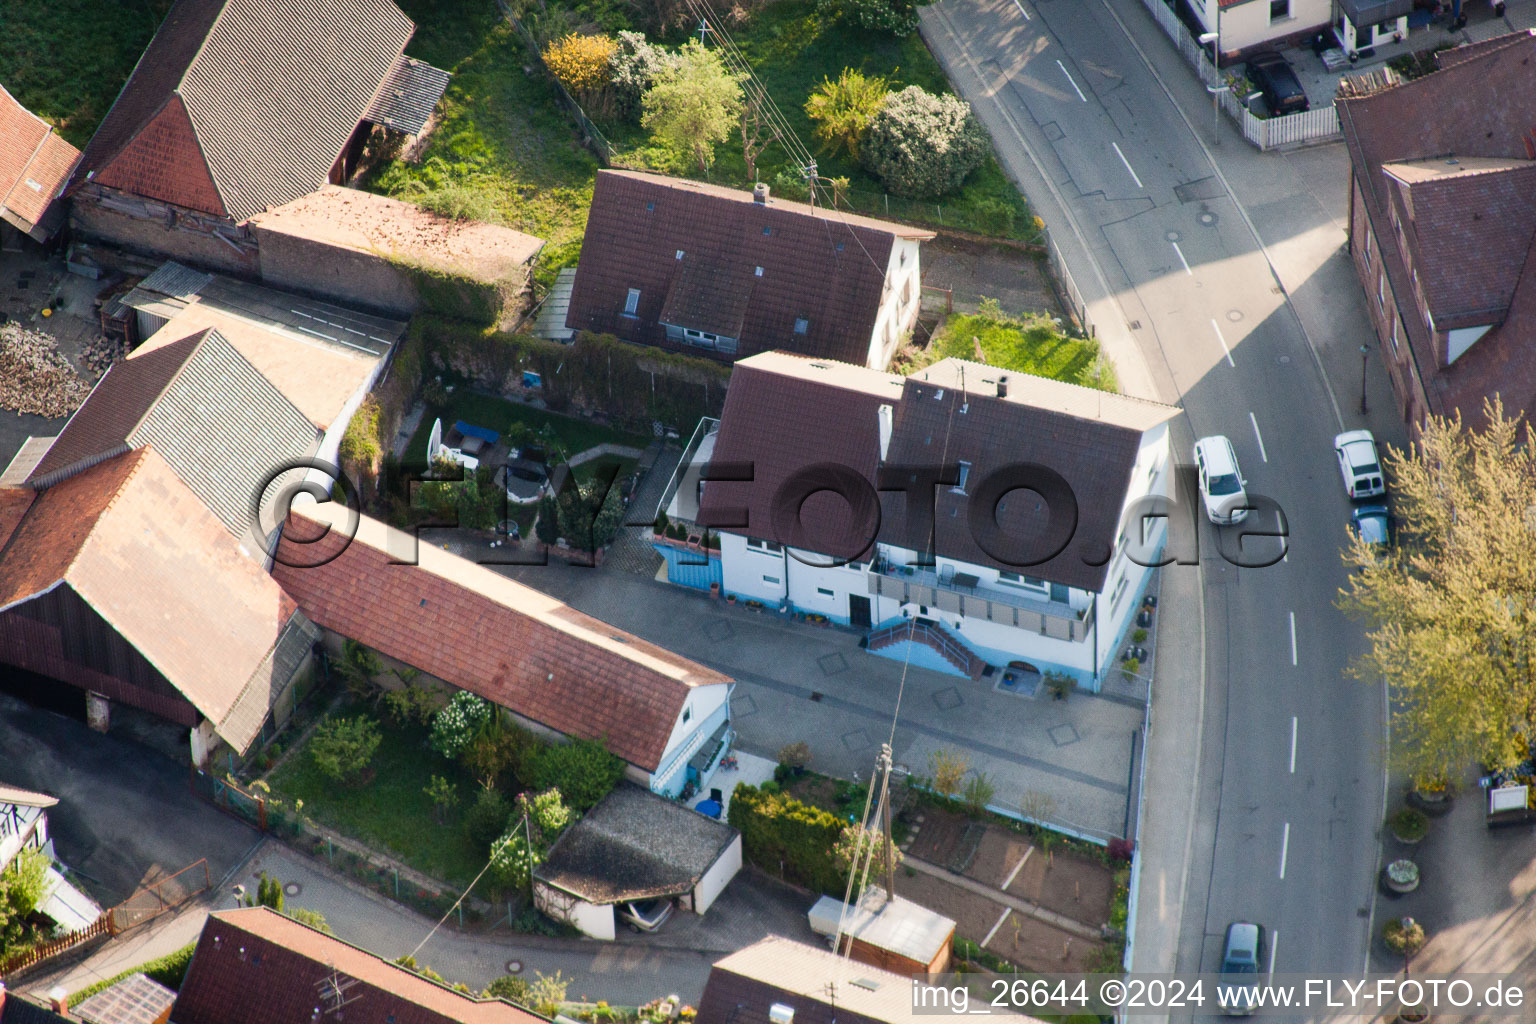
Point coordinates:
[(1276, 81), (645, 915)]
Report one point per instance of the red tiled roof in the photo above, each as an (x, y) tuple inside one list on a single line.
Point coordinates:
[(786, 414), (14, 502), (34, 162), (1480, 105), (238, 106), (256, 966), (482, 632), (823, 266), (128, 528)]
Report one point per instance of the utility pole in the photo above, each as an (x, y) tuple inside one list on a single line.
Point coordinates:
[(887, 851), (704, 30)]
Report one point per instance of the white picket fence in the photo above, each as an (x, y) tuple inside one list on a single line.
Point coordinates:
[(1264, 132)]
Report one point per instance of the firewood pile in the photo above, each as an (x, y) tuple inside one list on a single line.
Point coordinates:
[(100, 353), (34, 377)]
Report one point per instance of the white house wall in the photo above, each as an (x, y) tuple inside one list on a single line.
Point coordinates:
[(898, 303), (707, 707), (717, 877), (1248, 25), (590, 919)]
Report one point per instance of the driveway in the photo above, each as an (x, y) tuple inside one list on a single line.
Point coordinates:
[(125, 816), (796, 681)]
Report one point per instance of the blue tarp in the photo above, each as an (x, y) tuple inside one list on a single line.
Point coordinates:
[(469, 430)]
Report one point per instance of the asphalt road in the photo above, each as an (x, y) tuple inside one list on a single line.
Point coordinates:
[(1216, 284)]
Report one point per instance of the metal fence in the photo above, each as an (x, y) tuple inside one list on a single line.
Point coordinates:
[(1067, 293), (1263, 132), (158, 897)]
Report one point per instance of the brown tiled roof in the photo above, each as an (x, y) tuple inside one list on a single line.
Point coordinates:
[(817, 984), (14, 502), (710, 297), (34, 163), (822, 265), (256, 966), (99, 428), (128, 528), (1478, 106), (784, 413), (242, 105), (635, 845), (1468, 272), (1466, 51), (482, 632)]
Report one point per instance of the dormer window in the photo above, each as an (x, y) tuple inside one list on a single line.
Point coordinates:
[(632, 302), (802, 325), (965, 474)]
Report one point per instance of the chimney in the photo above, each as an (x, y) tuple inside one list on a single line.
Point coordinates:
[(760, 192), (1002, 386), (778, 1013), (58, 1000), (887, 420)]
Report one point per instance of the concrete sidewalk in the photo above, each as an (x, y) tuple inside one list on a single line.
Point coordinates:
[(797, 681)]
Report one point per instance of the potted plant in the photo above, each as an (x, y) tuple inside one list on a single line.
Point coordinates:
[(1139, 637), (1403, 936), (1059, 683), (1408, 825), (1129, 667), (714, 589), (1400, 876), (1431, 794), (730, 598)]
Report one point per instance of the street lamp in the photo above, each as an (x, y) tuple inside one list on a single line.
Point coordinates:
[(1215, 88), (1365, 354)]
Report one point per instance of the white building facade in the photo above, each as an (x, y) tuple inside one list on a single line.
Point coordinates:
[(948, 606)]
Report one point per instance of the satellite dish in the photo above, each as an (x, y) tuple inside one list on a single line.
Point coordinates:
[(435, 440)]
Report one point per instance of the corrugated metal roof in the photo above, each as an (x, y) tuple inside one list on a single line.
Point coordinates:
[(240, 726), (551, 319), (272, 91), (225, 430), (171, 278), (408, 95)]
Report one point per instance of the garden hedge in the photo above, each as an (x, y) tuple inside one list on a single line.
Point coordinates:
[(776, 828), (168, 970)]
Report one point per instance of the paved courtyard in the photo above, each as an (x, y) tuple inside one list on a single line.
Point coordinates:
[(796, 681)]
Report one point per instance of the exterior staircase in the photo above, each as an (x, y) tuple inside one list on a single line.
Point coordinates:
[(929, 634)]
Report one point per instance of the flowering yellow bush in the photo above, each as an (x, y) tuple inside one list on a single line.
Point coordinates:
[(580, 62)]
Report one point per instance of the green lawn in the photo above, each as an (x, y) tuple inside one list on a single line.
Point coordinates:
[(391, 812), (503, 149), (576, 435), (66, 60), (1030, 345)]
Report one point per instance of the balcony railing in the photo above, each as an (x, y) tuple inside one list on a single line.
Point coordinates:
[(958, 594)]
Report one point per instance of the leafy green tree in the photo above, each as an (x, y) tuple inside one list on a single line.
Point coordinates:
[(343, 748), (633, 68), (21, 890), (547, 992), (490, 753), (459, 722), (843, 109), (857, 842), (898, 17), (946, 770), (1451, 607), (583, 770), (539, 819), (692, 107), (512, 859), (590, 516), (359, 666), (511, 987), (547, 526), (486, 818), (922, 146), (444, 796), (313, 918)]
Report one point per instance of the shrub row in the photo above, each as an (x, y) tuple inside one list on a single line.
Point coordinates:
[(778, 830), (168, 970)]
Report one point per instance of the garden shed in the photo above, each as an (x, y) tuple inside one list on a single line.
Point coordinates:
[(635, 846)]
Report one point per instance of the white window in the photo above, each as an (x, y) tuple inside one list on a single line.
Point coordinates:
[(965, 474), (1394, 333), (1367, 247), (802, 325), (768, 546), (824, 592), (1381, 288), (632, 302), (679, 254), (1014, 579), (1117, 594), (757, 272), (1279, 10)]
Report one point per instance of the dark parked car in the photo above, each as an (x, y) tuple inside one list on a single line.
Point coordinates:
[(1276, 81), (1373, 523)]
